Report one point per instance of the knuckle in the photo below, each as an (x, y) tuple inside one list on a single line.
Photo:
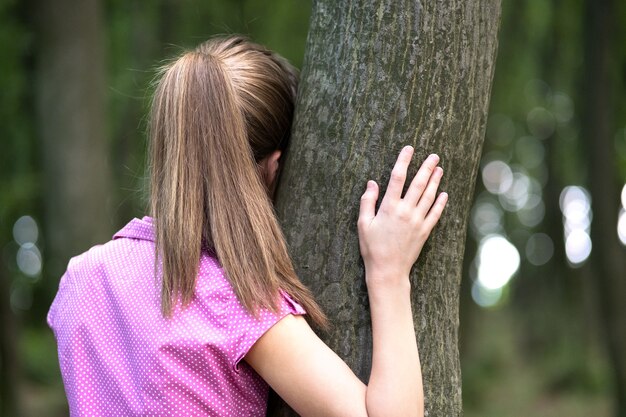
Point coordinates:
[(386, 208), (397, 176), (427, 167), (428, 200), (404, 213)]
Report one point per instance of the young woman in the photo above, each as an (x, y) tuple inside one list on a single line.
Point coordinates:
[(195, 310)]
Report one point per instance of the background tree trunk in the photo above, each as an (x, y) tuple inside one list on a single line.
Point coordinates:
[(607, 255), (9, 359), (71, 112), (378, 75)]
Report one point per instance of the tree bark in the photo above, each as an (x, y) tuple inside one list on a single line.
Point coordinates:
[(378, 75), (607, 256), (71, 113)]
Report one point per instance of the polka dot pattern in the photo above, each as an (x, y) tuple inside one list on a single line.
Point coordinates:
[(120, 357)]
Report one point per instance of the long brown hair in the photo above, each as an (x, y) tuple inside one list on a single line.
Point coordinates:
[(217, 111)]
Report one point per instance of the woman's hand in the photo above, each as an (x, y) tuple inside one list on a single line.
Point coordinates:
[(392, 239)]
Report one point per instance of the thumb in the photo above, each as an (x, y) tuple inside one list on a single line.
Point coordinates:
[(367, 210)]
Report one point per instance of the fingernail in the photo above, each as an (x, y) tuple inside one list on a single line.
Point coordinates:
[(444, 196), (434, 157), (407, 148), (370, 185)]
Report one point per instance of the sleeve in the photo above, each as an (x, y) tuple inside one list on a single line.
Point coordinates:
[(50, 318), (247, 328)]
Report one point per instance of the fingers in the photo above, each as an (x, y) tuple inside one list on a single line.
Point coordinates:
[(421, 180), (367, 210), (398, 174), (435, 212), (428, 197)]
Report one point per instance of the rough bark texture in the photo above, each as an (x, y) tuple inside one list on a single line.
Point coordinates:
[(607, 256), (71, 99), (379, 75)]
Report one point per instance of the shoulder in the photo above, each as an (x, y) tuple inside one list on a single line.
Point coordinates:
[(112, 255)]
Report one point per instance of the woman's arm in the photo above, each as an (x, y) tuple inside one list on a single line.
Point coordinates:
[(309, 376)]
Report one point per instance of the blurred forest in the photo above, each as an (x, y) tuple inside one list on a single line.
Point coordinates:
[(543, 321)]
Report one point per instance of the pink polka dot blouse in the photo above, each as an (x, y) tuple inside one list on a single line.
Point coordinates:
[(120, 357)]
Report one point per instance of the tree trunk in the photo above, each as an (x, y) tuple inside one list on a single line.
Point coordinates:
[(607, 256), (71, 112), (378, 75)]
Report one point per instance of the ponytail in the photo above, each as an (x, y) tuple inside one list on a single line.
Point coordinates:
[(206, 190)]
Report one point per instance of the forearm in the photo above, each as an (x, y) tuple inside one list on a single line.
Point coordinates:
[(395, 385), (390, 241)]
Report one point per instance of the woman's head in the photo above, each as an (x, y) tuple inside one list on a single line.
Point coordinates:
[(218, 112), (265, 86), (265, 90)]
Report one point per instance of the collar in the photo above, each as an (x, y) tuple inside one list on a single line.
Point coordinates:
[(137, 229)]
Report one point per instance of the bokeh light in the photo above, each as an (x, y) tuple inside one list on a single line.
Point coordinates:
[(540, 122), (516, 196), (498, 260), (533, 212), (621, 226), (486, 218), (497, 177), (537, 91), (25, 230), (485, 297), (539, 249), (577, 247), (563, 107), (575, 205), (28, 257), (621, 220), (517, 192)]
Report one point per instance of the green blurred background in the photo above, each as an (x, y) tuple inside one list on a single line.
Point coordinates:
[(537, 313)]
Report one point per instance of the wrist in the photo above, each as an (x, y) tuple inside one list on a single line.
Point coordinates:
[(387, 282)]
